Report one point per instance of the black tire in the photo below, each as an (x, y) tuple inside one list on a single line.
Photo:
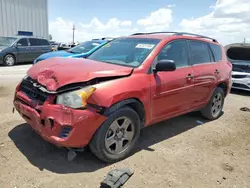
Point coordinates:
[(208, 111), (9, 60), (98, 143)]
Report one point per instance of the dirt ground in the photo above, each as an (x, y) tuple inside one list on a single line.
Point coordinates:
[(180, 152)]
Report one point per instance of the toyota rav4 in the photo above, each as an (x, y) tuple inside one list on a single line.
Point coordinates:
[(128, 84)]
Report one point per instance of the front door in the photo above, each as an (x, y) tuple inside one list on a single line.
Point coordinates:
[(23, 50), (172, 91)]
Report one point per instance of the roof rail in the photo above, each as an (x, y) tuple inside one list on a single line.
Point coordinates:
[(177, 33)]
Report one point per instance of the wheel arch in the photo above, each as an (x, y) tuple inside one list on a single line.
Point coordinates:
[(10, 53), (224, 86), (133, 103)]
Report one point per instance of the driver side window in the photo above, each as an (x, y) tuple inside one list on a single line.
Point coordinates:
[(176, 51), (23, 42)]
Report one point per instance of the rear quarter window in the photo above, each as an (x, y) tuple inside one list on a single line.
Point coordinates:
[(217, 52)]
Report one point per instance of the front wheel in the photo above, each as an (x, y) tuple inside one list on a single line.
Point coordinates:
[(213, 109), (9, 60), (117, 136)]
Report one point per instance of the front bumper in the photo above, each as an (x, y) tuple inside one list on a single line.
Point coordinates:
[(1, 59), (51, 121), (241, 83)]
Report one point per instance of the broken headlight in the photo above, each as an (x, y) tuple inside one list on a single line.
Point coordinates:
[(75, 99)]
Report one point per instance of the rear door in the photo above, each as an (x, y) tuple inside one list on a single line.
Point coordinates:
[(44, 46), (23, 50), (205, 72), (172, 91)]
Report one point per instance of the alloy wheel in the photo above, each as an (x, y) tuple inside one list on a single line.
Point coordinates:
[(217, 104), (10, 60), (119, 135)]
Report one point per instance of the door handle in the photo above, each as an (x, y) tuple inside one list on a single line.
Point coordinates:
[(190, 76), (217, 71)]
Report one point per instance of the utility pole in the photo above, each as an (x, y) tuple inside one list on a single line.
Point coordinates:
[(244, 40), (73, 34)]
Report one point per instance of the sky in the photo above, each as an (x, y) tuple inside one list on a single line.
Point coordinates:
[(226, 20)]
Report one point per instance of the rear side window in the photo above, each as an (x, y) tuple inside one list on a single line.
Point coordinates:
[(216, 51), (199, 53), (23, 42), (34, 42), (43, 42)]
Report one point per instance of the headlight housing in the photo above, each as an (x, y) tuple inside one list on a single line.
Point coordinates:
[(75, 99)]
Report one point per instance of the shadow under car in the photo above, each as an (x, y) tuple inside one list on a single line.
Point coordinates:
[(44, 155)]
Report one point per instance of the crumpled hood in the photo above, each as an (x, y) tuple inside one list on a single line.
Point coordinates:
[(60, 53), (54, 73)]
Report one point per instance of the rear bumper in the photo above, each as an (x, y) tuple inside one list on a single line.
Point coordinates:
[(62, 126)]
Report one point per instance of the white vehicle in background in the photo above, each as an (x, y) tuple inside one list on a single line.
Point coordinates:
[(239, 55), (241, 75)]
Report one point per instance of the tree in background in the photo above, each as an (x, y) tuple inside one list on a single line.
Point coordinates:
[(50, 37)]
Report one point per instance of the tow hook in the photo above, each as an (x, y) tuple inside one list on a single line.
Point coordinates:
[(71, 154)]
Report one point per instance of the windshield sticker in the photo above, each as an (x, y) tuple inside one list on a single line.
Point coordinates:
[(145, 46)]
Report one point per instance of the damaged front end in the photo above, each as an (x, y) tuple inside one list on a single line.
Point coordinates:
[(62, 117), (56, 123), (53, 99)]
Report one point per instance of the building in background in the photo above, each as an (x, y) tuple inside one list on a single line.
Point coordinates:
[(24, 17)]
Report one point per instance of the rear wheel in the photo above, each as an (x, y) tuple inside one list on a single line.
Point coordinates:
[(115, 139), (213, 109), (9, 60)]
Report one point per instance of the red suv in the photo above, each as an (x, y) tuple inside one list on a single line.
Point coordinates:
[(128, 84)]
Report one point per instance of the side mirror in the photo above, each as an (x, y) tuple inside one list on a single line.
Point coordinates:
[(18, 44), (165, 65)]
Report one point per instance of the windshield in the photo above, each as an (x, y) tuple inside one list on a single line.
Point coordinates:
[(125, 51), (6, 41), (84, 47)]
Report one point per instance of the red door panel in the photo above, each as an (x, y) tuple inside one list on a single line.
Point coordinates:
[(171, 93), (205, 72), (205, 78)]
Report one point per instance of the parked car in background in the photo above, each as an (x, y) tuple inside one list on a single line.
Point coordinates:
[(63, 46), (54, 45), (128, 84), (80, 51), (239, 55), (18, 49), (241, 75)]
